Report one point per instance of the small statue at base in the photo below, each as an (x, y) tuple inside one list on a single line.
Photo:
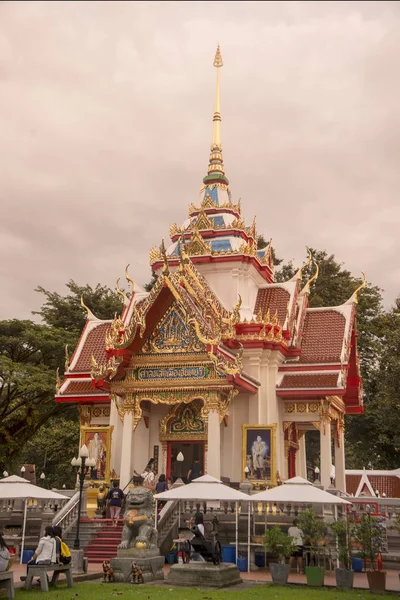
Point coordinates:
[(108, 573), (137, 574), (102, 499)]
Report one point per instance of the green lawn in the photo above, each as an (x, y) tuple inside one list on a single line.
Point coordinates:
[(98, 591)]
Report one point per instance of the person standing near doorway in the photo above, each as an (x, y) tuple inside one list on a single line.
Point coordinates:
[(194, 471)]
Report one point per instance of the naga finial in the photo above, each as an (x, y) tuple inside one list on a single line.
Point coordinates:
[(163, 251), (67, 361), (129, 278), (306, 289), (354, 296), (120, 292), (90, 316)]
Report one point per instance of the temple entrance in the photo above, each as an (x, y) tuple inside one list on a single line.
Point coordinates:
[(192, 450)]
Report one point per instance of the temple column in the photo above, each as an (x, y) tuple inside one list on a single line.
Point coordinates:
[(301, 459), (214, 444), (126, 450), (340, 472), (326, 452)]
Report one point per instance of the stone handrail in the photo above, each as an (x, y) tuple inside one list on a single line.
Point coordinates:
[(66, 517)]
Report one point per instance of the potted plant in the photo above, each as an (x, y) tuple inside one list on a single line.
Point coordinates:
[(281, 546), (369, 536), (343, 536), (313, 529)]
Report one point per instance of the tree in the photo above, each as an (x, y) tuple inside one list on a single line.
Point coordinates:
[(66, 312), (29, 357), (149, 286), (52, 448)]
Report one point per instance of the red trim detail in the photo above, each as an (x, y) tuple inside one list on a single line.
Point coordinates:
[(320, 367), (84, 399), (309, 393)]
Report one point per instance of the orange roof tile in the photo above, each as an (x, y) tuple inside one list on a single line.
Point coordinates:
[(94, 344), (274, 299), (82, 388), (323, 335), (309, 381)]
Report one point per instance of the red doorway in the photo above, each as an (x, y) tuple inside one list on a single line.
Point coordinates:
[(191, 450), (292, 463)]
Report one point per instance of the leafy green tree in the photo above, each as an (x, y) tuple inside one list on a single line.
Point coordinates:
[(52, 448), (29, 356), (66, 312), (149, 286)]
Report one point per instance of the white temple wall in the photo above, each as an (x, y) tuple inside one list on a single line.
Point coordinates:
[(140, 447), (238, 415), (116, 440), (157, 413), (228, 280)]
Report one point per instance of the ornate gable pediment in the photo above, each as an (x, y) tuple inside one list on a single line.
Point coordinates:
[(172, 335)]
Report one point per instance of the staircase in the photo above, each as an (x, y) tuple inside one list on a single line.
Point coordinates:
[(105, 543)]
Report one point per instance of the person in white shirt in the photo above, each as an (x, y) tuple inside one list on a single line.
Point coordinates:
[(297, 536), (46, 552)]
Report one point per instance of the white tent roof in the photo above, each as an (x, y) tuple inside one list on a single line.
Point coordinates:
[(203, 488), (14, 487), (298, 491)]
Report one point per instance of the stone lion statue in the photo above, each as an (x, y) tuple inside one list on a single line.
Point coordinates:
[(139, 531)]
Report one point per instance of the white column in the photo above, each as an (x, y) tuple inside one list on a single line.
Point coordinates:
[(214, 444), (326, 453), (340, 473), (301, 462), (126, 452)]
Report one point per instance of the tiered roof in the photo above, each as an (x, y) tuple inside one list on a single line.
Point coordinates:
[(318, 344)]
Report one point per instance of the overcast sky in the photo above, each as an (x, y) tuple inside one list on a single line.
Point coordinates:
[(105, 127)]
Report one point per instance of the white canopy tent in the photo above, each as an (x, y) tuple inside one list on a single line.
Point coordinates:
[(206, 488), (17, 488), (299, 491)]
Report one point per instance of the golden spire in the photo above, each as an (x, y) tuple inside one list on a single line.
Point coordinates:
[(216, 165)]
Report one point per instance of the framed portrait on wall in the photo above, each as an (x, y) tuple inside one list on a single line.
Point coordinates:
[(98, 442), (259, 453)]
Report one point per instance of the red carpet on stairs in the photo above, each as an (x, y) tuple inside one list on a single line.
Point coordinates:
[(105, 544)]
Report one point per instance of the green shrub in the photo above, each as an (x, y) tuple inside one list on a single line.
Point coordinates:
[(278, 544)]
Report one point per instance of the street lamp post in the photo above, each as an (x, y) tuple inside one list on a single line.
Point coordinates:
[(42, 478), (246, 472), (180, 458), (23, 471), (5, 473), (83, 465), (316, 472)]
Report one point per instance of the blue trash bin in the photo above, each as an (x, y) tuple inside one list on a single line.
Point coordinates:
[(357, 565), (228, 554), (259, 559), (26, 556), (242, 563)]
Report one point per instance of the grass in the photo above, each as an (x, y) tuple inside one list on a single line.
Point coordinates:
[(108, 591)]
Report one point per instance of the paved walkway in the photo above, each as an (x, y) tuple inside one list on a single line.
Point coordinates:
[(259, 576)]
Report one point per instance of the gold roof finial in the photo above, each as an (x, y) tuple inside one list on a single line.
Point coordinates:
[(216, 165), (90, 316), (129, 278), (120, 292), (354, 296)]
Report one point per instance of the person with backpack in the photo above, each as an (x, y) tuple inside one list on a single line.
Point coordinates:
[(62, 549), (114, 501), (46, 552)]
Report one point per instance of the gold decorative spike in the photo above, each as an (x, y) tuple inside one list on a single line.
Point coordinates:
[(163, 253), (174, 229), (218, 58), (360, 287), (66, 358), (90, 316), (58, 380), (305, 265), (129, 279), (121, 293), (236, 311), (154, 255), (306, 289)]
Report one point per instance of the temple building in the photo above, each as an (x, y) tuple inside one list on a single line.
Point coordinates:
[(217, 361)]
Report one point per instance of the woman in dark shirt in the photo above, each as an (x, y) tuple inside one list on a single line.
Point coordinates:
[(114, 499)]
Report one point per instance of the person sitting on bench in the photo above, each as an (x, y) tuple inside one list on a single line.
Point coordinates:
[(46, 552)]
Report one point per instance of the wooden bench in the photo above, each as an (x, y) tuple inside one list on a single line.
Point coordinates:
[(41, 572), (7, 582)]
